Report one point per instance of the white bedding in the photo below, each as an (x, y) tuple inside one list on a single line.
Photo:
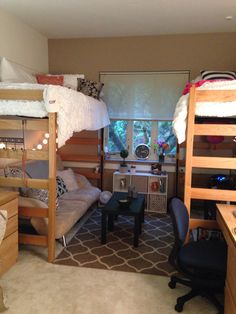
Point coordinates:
[(76, 111), (205, 109)]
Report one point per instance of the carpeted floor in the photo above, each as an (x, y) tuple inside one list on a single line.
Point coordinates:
[(151, 257)]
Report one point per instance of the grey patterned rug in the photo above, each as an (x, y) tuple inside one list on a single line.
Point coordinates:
[(151, 256)]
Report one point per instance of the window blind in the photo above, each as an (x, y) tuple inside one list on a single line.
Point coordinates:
[(143, 95)]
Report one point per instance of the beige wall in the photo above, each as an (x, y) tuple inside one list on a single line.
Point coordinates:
[(170, 52), (22, 44)]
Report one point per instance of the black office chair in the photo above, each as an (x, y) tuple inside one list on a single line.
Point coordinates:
[(202, 263)]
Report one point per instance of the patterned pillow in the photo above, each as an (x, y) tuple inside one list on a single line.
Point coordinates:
[(13, 172), (89, 88), (61, 187), (218, 75), (50, 79), (43, 195)]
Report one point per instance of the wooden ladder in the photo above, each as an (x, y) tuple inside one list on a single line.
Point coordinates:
[(206, 162), (47, 126)]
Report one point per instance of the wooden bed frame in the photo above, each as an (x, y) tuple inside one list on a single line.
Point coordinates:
[(206, 162), (48, 125)]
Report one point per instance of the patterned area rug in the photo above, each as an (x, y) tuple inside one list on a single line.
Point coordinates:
[(151, 256)]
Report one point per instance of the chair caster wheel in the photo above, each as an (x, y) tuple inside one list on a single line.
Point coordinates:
[(179, 308), (172, 284)]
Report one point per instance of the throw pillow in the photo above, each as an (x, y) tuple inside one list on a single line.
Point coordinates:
[(69, 179), (50, 79), (218, 75), (89, 88), (82, 181), (61, 187), (70, 80)]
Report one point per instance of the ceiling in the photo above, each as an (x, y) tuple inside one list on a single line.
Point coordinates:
[(112, 18)]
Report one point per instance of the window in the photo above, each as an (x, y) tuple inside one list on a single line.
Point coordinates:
[(141, 107), (127, 134)]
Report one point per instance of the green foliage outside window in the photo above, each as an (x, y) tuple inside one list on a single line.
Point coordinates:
[(117, 137)]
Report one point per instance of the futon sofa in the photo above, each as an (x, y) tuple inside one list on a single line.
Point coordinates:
[(76, 197)]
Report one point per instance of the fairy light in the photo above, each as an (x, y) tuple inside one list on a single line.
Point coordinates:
[(39, 146), (45, 141), (46, 135), (56, 140)]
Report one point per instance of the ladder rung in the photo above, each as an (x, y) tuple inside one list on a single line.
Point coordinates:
[(215, 95), (32, 212), (213, 194), (215, 129), (29, 154), (214, 162), (20, 182), (40, 240)]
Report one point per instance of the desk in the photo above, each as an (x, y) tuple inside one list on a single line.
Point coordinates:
[(227, 223)]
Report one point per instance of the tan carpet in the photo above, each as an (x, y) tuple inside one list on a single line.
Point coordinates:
[(34, 286), (151, 256)]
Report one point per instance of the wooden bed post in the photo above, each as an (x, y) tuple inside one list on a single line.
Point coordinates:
[(52, 187), (189, 148)]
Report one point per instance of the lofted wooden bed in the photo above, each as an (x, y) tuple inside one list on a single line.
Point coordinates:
[(211, 96), (47, 125), (55, 110)]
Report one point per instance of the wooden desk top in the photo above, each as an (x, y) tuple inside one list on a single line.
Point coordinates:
[(226, 213), (7, 196)]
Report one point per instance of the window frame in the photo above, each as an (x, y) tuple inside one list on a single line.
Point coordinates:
[(153, 156)]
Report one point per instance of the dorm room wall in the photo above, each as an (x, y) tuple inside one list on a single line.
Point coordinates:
[(193, 52), (22, 44)]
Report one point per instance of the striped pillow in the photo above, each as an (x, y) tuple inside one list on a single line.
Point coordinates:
[(218, 75)]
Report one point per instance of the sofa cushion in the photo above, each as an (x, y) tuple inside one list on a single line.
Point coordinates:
[(87, 195), (67, 215)]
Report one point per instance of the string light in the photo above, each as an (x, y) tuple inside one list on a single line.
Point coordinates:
[(46, 135), (45, 141), (39, 146)]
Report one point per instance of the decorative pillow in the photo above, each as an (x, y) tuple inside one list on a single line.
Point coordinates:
[(11, 72), (82, 181), (70, 80), (39, 194), (61, 187), (218, 75), (90, 88), (13, 172), (50, 79), (69, 179)]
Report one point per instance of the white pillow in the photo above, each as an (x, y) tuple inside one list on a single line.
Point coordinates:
[(11, 72), (70, 80), (69, 179), (82, 181)]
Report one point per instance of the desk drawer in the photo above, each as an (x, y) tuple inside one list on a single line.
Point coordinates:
[(8, 252), (12, 226), (11, 207)]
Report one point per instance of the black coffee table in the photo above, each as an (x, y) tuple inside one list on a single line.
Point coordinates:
[(113, 209)]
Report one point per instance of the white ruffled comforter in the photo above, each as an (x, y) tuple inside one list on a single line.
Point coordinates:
[(76, 111), (205, 109)]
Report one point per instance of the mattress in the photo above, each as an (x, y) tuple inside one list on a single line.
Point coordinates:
[(75, 111), (204, 109)]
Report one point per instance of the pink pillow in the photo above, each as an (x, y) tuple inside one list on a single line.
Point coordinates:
[(50, 79)]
